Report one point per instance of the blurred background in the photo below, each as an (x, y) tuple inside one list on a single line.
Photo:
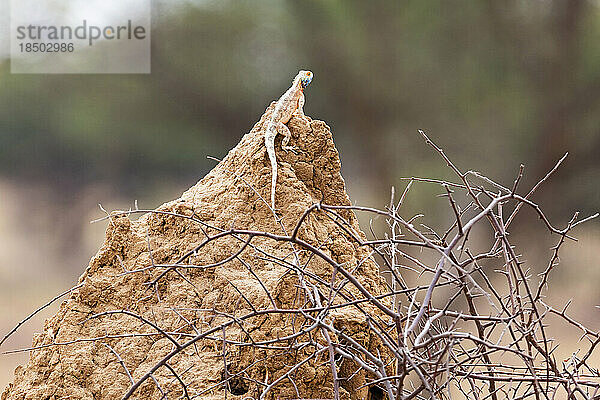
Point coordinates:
[(495, 84)]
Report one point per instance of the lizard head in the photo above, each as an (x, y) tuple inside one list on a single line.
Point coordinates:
[(305, 77)]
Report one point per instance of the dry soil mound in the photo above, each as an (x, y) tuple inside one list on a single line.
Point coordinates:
[(77, 355)]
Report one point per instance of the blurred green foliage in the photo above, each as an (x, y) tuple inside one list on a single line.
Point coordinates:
[(494, 83)]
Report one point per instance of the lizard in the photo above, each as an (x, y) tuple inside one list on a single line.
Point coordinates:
[(289, 104)]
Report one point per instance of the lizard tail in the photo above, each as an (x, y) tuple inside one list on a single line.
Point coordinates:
[(273, 183), (270, 145)]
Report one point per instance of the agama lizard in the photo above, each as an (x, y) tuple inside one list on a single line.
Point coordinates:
[(289, 104)]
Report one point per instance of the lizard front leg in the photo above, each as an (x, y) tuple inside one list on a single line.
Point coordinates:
[(287, 135), (300, 110)]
